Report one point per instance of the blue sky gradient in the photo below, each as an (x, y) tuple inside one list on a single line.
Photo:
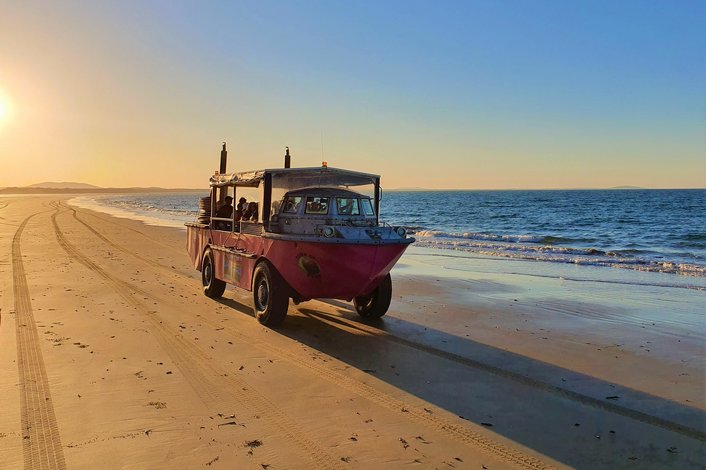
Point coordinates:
[(482, 94)]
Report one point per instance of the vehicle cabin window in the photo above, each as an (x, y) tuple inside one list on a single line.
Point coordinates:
[(317, 205), (367, 207), (347, 206), (291, 204)]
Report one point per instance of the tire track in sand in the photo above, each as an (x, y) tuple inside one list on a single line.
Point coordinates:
[(459, 432), (2, 206), (123, 226), (41, 441), (214, 386), (456, 431), (144, 259)]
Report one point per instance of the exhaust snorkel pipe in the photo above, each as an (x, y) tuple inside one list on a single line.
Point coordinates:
[(223, 192)]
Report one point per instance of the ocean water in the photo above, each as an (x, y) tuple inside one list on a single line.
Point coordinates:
[(646, 230)]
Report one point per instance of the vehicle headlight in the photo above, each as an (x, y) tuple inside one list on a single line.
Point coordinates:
[(328, 232)]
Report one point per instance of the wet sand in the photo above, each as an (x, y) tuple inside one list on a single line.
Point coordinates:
[(111, 357)]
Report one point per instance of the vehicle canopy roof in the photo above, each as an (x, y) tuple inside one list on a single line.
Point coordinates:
[(295, 178)]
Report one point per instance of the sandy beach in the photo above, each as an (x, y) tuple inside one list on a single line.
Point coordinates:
[(111, 357)]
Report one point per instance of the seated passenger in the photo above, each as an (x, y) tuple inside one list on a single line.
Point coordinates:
[(242, 203), (290, 207), (345, 207), (251, 212), (226, 210)]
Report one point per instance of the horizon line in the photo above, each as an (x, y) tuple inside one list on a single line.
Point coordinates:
[(32, 188)]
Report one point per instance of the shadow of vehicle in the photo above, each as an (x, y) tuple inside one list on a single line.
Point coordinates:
[(577, 419)]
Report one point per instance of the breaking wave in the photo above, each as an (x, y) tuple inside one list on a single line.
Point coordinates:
[(553, 249)]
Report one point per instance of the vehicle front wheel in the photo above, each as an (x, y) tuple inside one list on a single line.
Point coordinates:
[(212, 287), (376, 304), (269, 296)]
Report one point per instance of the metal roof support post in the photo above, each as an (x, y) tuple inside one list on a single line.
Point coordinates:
[(223, 192), (214, 205), (267, 201), (377, 199), (224, 159)]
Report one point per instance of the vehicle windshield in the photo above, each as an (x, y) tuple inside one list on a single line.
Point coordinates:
[(317, 205), (347, 206), (291, 204), (367, 207)]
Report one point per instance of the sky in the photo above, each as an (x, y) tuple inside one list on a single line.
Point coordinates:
[(495, 94)]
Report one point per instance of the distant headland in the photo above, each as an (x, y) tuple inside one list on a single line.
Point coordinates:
[(51, 187)]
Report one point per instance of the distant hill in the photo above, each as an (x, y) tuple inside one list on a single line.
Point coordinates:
[(626, 187), (62, 185)]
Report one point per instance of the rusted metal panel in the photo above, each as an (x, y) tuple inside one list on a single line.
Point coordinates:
[(196, 241)]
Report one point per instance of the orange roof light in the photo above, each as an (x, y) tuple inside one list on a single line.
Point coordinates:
[(324, 164)]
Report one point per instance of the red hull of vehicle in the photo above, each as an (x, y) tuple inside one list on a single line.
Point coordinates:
[(312, 269), (316, 270)]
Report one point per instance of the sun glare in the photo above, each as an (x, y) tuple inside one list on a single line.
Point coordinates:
[(4, 110)]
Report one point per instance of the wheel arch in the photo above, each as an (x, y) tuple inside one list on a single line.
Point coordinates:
[(203, 254), (263, 259)]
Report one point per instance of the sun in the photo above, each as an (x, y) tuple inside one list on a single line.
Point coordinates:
[(4, 110), (5, 107)]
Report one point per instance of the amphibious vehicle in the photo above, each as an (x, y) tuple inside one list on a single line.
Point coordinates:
[(310, 235)]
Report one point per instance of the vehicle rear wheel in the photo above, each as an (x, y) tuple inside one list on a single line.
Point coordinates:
[(376, 304), (269, 296), (212, 287)]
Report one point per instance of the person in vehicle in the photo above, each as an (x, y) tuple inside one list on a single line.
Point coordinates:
[(240, 209), (291, 205), (242, 204), (251, 212), (345, 206), (226, 210)]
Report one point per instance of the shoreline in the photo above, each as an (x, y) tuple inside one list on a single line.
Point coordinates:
[(142, 366), (480, 245), (605, 331)]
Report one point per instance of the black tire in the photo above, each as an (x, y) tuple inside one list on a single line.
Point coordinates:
[(270, 296), (376, 304), (212, 287)]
